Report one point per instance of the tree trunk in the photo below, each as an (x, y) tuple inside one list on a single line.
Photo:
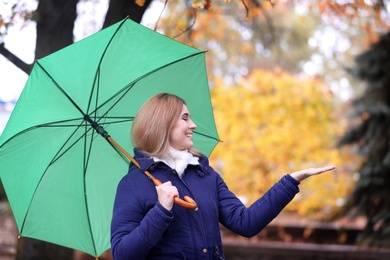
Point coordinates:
[(32, 249), (55, 23), (120, 9)]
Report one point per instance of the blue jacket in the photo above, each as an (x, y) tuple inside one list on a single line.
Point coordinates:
[(141, 228)]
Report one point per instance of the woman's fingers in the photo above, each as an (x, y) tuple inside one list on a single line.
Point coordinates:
[(313, 171), (166, 192), (303, 174)]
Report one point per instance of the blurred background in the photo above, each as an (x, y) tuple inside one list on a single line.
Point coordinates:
[(294, 84)]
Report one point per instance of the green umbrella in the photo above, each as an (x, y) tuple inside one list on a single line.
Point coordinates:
[(59, 173)]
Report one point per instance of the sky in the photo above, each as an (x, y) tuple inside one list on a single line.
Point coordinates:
[(12, 79)]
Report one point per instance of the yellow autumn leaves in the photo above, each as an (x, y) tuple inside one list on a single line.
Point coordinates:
[(273, 123)]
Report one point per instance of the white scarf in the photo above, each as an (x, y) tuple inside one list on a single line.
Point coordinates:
[(178, 160)]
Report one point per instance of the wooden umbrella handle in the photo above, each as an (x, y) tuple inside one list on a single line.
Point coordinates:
[(187, 203)]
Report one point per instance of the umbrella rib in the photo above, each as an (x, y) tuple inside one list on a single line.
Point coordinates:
[(127, 160), (55, 158), (60, 124), (117, 121), (76, 137), (59, 155), (86, 161), (97, 74), (208, 136), (59, 87), (130, 85), (87, 154), (122, 119), (126, 90), (52, 124), (96, 80), (101, 131)]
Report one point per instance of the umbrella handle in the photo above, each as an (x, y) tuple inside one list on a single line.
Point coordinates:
[(187, 203)]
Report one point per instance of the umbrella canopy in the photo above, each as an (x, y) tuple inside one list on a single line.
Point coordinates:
[(59, 174)]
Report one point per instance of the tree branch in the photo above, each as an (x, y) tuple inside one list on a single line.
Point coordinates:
[(15, 60), (268, 20), (159, 17), (190, 26)]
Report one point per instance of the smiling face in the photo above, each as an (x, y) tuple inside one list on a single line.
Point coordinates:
[(180, 136)]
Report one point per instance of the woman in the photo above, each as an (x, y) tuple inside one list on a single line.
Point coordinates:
[(146, 223)]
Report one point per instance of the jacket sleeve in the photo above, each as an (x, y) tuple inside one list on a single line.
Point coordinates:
[(134, 229), (250, 221)]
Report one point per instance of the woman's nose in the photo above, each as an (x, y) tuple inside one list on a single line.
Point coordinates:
[(192, 124)]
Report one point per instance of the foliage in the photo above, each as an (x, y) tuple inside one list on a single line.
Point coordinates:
[(14, 12), (371, 16), (370, 133), (245, 35), (318, 37), (273, 123), (268, 37), (346, 29)]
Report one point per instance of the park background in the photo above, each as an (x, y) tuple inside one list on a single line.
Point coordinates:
[(294, 84)]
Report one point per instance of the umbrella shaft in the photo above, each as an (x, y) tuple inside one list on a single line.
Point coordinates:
[(100, 129), (187, 203), (156, 182)]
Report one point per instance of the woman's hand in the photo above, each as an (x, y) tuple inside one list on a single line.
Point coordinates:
[(304, 174), (166, 192)]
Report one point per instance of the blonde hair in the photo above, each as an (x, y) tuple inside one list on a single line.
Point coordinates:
[(154, 122)]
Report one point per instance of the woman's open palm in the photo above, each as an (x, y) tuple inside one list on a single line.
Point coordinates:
[(304, 174)]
